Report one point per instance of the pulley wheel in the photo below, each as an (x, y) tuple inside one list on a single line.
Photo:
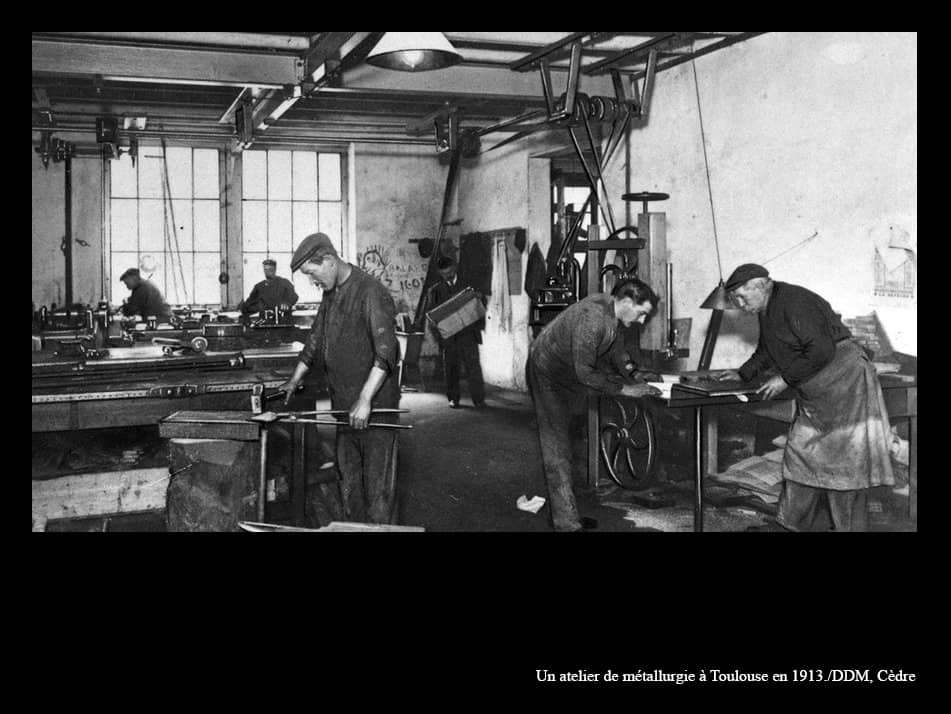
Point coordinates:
[(627, 442), (199, 344)]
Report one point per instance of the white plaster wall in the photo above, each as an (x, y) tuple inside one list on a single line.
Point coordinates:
[(399, 193), (805, 132), (504, 189)]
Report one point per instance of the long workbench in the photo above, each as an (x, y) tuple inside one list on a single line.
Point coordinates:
[(133, 387)]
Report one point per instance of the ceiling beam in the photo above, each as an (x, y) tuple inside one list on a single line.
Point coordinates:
[(528, 62), (149, 64), (738, 37), (460, 81), (261, 40)]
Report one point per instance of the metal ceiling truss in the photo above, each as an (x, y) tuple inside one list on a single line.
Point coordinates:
[(289, 82)]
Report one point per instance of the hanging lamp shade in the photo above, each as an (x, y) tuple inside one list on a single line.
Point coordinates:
[(414, 52), (719, 299)]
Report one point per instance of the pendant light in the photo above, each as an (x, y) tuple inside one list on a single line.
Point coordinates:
[(414, 52)]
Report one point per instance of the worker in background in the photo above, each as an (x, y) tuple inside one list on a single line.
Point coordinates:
[(837, 446), (463, 347), (353, 341), (146, 299), (272, 292), (563, 368)]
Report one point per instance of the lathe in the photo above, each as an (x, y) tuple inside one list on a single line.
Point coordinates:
[(92, 368)]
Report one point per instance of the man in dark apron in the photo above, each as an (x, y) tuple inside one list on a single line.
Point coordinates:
[(837, 447)]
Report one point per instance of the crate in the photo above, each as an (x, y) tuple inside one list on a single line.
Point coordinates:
[(457, 313)]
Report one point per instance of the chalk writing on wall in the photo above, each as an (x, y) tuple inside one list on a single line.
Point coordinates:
[(401, 274)]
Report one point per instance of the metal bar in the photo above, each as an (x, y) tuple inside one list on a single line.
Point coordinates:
[(705, 51), (298, 485), (327, 422), (526, 116), (546, 87), (573, 72), (597, 67), (524, 63), (327, 47), (587, 171), (597, 165), (648, 83)]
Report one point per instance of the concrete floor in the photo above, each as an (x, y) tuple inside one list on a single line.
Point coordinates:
[(463, 470)]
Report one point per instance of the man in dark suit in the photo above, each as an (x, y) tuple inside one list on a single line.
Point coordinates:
[(461, 348)]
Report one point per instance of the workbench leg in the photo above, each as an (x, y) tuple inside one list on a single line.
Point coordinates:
[(297, 491), (594, 427), (913, 468), (698, 470), (711, 446), (262, 478)]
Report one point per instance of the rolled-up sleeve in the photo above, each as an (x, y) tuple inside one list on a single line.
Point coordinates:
[(381, 317), (312, 351)]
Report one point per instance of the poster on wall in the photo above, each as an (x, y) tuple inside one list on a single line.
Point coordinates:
[(894, 267)]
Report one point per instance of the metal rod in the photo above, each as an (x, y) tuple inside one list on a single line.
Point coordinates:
[(597, 165), (344, 411), (329, 422), (698, 470), (596, 67), (587, 171)]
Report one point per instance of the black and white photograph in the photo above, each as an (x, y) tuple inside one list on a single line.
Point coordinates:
[(478, 282)]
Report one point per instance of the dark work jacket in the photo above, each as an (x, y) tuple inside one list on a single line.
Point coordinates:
[(269, 294), (146, 300), (568, 351), (354, 330), (442, 291), (797, 335)]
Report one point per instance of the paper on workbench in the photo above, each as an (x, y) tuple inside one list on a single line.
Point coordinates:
[(663, 387)]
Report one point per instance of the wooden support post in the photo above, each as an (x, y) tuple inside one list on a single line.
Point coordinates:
[(711, 424)]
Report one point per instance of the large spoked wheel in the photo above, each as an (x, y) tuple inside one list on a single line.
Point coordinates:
[(627, 443)]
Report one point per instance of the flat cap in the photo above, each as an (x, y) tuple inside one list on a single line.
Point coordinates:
[(129, 273), (269, 261), (745, 272), (311, 248)]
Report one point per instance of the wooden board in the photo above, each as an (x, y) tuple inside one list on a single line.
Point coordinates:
[(100, 494)]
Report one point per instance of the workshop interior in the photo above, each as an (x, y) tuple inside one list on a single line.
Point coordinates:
[(179, 180)]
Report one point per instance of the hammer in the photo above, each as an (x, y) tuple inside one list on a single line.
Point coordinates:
[(259, 399)]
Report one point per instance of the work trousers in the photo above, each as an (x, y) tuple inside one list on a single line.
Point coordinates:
[(798, 506), (553, 405), (367, 463), (458, 350)]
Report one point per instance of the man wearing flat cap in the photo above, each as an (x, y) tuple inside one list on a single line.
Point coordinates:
[(272, 292), (146, 299), (353, 342), (837, 446)]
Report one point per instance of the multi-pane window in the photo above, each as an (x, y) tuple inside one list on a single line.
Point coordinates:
[(287, 195), (165, 221)]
